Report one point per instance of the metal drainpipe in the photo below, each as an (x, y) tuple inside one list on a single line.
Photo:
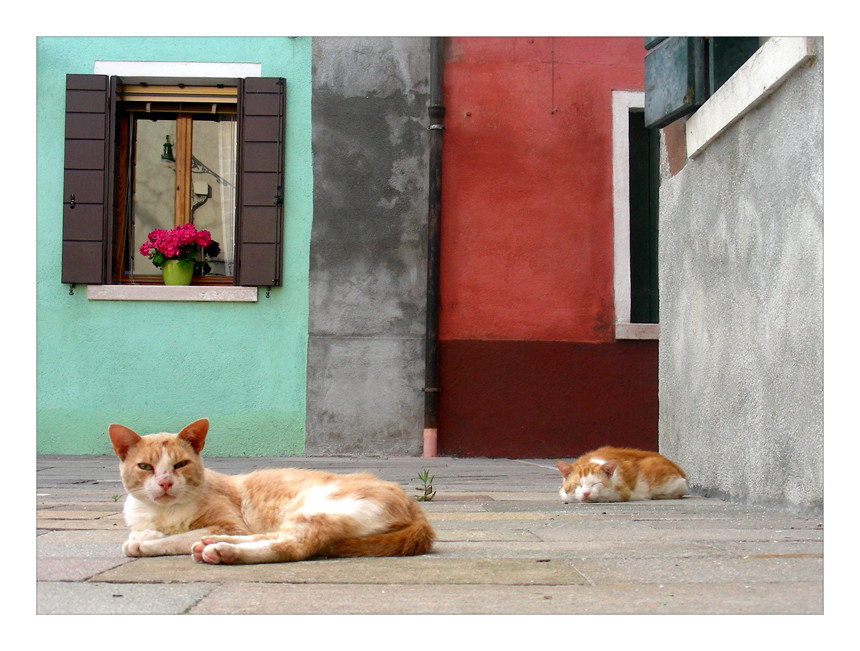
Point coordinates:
[(436, 112)]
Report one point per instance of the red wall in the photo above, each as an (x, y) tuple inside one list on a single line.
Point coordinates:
[(527, 242), (527, 186)]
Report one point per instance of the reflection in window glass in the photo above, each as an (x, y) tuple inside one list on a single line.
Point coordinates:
[(212, 186), (154, 182)]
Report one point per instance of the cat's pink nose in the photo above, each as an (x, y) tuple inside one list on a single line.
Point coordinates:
[(165, 483)]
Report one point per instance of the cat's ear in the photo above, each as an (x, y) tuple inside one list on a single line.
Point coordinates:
[(564, 468), (609, 467), (122, 439), (195, 433)]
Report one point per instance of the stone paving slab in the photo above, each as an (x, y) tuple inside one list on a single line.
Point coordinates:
[(116, 536), (54, 524), (83, 514), (621, 599), (701, 570), (420, 570), (619, 550), (484, 535), (73, 569), (484, 516), (83, 549), (559, 531), (786, 548), (110, 599)]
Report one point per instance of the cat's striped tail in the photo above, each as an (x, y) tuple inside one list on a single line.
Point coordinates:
[(414, 538)]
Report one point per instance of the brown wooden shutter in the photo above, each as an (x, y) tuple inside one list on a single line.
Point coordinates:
[(87, 179), (261, 181)]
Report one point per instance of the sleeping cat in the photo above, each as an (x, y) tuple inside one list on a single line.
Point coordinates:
[(620, 474), (176, 506)]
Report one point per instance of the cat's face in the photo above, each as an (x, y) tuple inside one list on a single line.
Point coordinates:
[(583, 482), (163, 469)]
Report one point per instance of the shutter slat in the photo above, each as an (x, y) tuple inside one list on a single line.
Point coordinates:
[(261, 181), (86, 178)]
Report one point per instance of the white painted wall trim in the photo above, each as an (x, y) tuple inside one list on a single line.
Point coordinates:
[(206, 293), (637, 330), (763, 73), (622, 102), (177, 69)]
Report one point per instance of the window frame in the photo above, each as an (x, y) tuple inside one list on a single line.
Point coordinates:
[(259, 227), (178, 109), (623, 102)]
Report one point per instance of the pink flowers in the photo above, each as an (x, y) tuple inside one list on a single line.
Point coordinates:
[(183, 242), (170, 243)]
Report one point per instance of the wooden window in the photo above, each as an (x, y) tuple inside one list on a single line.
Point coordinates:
[(183, 170), (681, 73), (111, 181), (674, 79)]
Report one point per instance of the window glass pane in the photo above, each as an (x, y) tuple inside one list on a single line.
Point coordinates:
[(213, 186), (154, 182)]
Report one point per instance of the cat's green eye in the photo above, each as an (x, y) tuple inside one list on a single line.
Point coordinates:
[(179, 465), (144, 466)]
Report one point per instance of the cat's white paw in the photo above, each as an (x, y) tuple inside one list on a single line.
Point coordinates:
[(214, 553), (132, 547), (145, 534)]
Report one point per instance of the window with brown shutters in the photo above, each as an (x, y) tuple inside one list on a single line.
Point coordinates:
[(99, 181)]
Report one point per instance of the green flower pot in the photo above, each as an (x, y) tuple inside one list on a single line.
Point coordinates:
[(177, 272)]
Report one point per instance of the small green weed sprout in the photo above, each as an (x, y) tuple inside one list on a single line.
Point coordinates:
[(426, 489)]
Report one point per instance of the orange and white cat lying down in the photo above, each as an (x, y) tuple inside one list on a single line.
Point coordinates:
[(611, 474), (176, 506)]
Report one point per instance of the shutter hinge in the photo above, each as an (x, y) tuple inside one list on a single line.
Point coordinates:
[(72, 289)]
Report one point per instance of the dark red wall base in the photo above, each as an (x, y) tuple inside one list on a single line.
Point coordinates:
[(532, 399)]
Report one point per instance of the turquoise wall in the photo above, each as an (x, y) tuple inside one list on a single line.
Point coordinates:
[(155, 366)]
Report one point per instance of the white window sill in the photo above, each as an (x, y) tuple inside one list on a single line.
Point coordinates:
[(763, 73), (206, 293), (637, 330)]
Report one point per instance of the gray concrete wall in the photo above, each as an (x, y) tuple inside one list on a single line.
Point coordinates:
[(741, 305), (368, 260)]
